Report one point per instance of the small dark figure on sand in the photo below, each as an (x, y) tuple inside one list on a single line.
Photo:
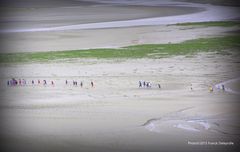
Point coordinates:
[(140, 84), (147, 84), (223, 87)]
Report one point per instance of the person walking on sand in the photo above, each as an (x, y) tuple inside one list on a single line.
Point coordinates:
[(159, 86), (24, 81), (39, 81), (223, 87), (92, 84), (44, 82), (140, 84), (147, 84), (144, 84), (210, 89), (11, 82), (32, 82), (14, 82), (66, 82), (52, 83), (81, 84)]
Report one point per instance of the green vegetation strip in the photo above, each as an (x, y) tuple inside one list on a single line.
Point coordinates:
[(215, 23), (220, 44)]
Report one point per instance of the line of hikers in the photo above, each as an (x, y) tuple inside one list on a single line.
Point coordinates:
[(75, 83), (144, 84), (14, 82), (219, 87), (22, 82)]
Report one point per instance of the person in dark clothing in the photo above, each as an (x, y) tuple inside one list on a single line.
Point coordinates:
[(159, 86), (223, 87), (92, 84), (44, 82), (66, 82), (147, 84), (140, 84), (81, 84), (144, 83)]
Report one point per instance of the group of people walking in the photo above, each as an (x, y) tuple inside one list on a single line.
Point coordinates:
[(14, 82), (23, 82), (145, 84), (75, 83), (219, 87)]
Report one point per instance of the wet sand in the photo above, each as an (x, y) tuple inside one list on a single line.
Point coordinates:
[(106, 38), (23, 18)]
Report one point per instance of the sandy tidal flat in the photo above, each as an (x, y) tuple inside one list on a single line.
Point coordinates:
[(116, 115)]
